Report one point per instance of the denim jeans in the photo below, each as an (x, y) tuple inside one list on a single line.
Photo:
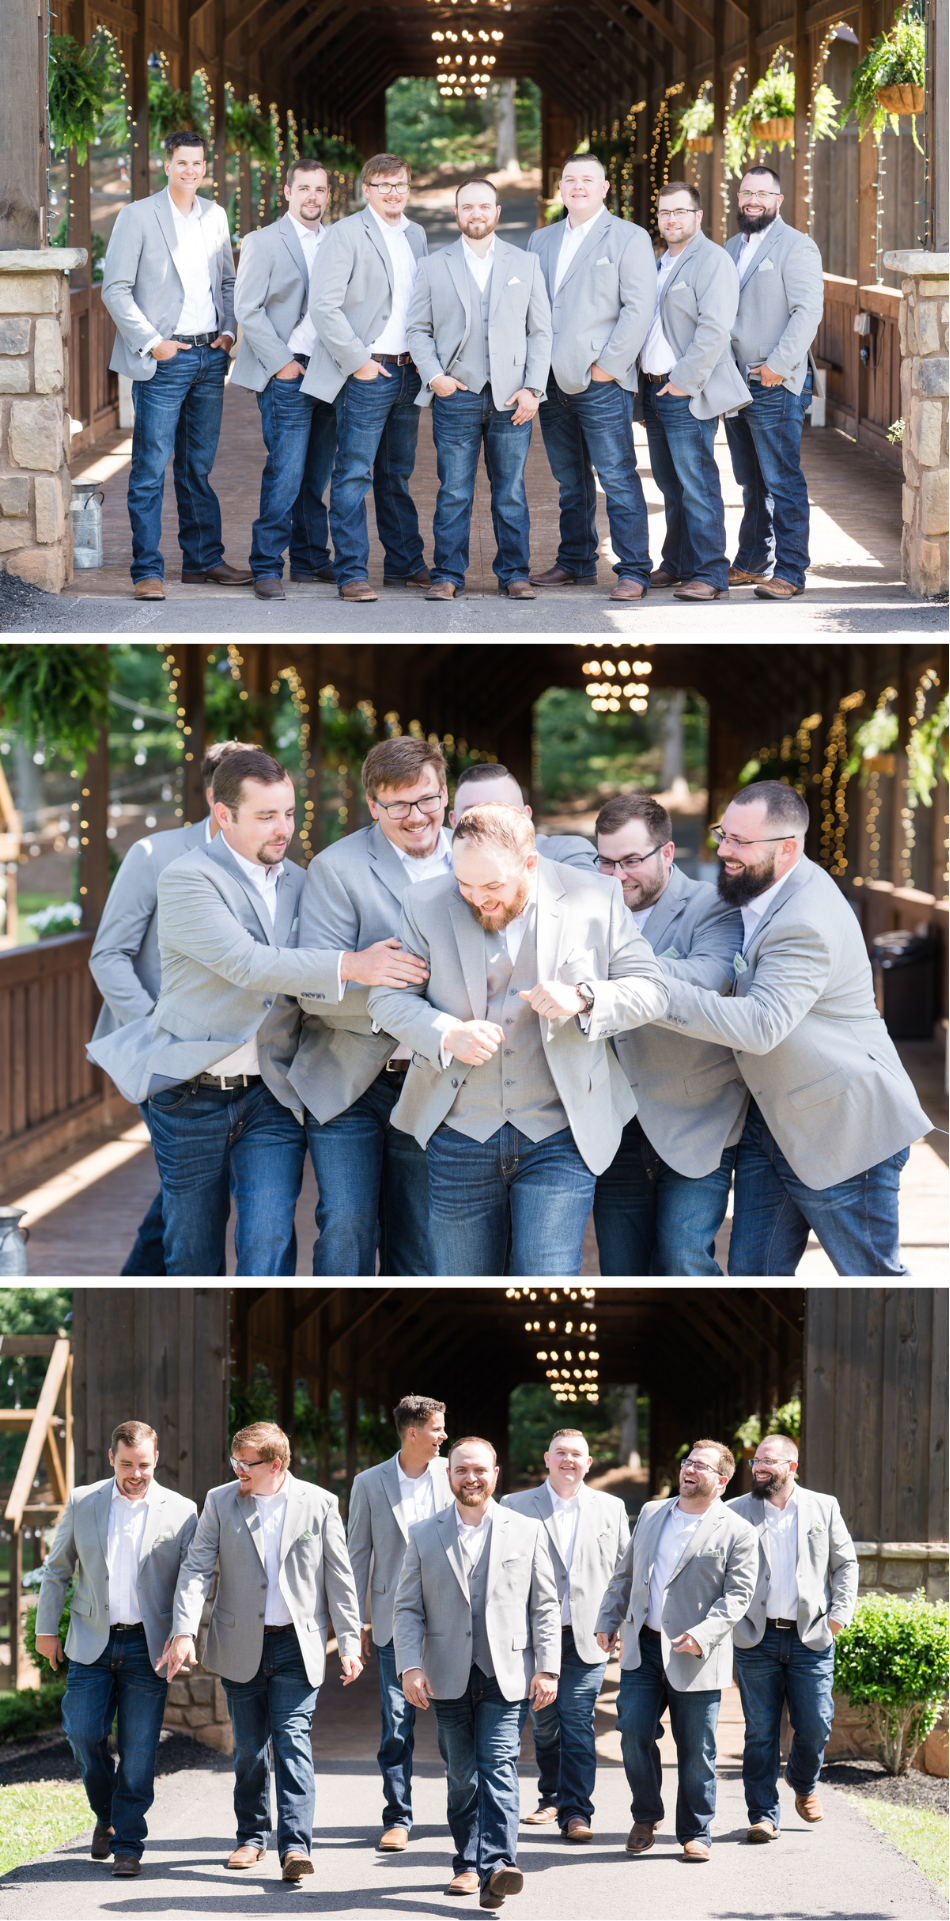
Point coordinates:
[(377, 426), (121, 1683), (148, 1253), (855, 1221), (583, 433), (564, 1737), (765, 442), (684, 468), (782, 1669), (277, 1705), (479, 1741), (652, 1220), (461, 426), (484, 1196), (211, 1143), (374, 1188), (300, 437), (396, 1743), (643, 1698), (177, 412)]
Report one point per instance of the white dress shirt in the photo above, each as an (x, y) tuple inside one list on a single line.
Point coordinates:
[(304, 338), (751, 242), (753, 910), (479, 265), (392, 340), (244, 1059), (473, 1540), (198, 314), (781, 1602), (418, 1493), (675, 1535), (437, 863), (573, 238), (126, 1529), (656, 354), (272, 1508), (565, 1520)]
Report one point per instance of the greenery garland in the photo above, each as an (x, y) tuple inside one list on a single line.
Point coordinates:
[(251, 132), (55, 692)]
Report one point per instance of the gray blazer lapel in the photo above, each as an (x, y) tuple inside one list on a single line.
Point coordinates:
[(500, 1521), (166, 221), (681, 264), (247, 1509), (221, 852), (707, 1526), (153, 1521), (287, 904), (390, 1478), (103, 1504), (293, 1514), (545, 1514), (793, 881), (379, 243), (500, 273), (596, 229), (449, 1536), (551, 922), (386, 863), (657, 1525), (668, 909), (288, 234), (471, 945), (461, 279)]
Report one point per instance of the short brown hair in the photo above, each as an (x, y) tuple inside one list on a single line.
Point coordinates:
[(185, 137), (266, 1438), (568, 1434), (504, 826), (247, 763), (616, 813), (385, 165), (472, 1440), (681, 186), (400, 762), (414, 1410), (783, 806), (727, 1460), (133, 1433), (300, 165), (216, 753), (477, 182)]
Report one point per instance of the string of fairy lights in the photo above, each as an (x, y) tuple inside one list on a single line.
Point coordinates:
[(572, 1371), (464, 74), (835, 775), (608, 684)]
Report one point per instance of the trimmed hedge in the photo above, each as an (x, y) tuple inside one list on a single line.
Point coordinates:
[(26, 1711)]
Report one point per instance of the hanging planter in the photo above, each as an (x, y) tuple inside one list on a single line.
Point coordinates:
[(767, 118), (80, 86), (902, 99), (694, 125), (703, 143), (781, 130), (889, 82)]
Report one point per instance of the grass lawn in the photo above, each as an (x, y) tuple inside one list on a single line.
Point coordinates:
[(36, 1817), (918, 1832)]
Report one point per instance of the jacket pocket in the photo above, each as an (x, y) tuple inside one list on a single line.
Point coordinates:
[(377, 1587), (519, 1641), (222, 1619), (817, 1091), (699, 1085), (77, 1606)]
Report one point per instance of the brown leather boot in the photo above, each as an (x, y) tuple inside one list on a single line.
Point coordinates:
[(518, 590), (809, 1807), (777, 590), (394, 1840), (444, 590), (421, 578), (464, 1883), (762, 1831), (357, 590), (220, 576), (695, 1851), (151, 589), (699, 590), (739, 578), (627, 589), (578, 1829), (294, 1866), (246, 1856), (641, 1837), (269, 587), (559, 577), (542, 1816)]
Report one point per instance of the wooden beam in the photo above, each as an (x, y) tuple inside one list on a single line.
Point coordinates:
[(138, 104), (36, 1438), (697, 14), (649, 12), (802, 55), (362, 1314), (643, 46), (239, 16), (315, 1299), (277, 20)]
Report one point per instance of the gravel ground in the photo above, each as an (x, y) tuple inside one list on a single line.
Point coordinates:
[(869, 1780), (20, 603), (45, 1761)]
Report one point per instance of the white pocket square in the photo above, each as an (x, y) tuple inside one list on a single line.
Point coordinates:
[(768, 266), (602, 262), (514, 281)]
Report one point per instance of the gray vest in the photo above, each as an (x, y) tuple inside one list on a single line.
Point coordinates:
[(473, 366), (477, 1588), (516, 1084)]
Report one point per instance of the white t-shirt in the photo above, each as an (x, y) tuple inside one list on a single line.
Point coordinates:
[(272, 1508), (782, 1599), (656, 354), (244, 1059), (304, 339), (392, 340), (642, 914), (126, 1531), (674, 1537), (573, 238)]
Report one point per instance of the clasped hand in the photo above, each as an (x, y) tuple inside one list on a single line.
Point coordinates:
[(474, 1042), (385, 964)]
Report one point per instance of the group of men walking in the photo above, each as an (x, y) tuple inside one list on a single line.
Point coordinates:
[(349, 330), (481, 1611)]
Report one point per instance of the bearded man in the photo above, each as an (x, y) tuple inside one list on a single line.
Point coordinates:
[(832, 1111), (513, 1091)]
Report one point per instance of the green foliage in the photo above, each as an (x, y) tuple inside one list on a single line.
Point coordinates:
[(55, 1678), (747, 1437), (27, 1310), (892, 1661), (252, 132), (454, 135), (170, 109), (254, 1400), (773, 98), (26, 1711), (339, 155), (694, 120), (34, 1820), (584, 755), (874, 736), (895, 432), (55, 692), (786, 1419), (920, 1833), (64, 917), (926, 746), (80, 84), (534, 1415), (895, 59)]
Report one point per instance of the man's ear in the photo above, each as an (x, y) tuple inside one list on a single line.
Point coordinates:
[(452, 820)]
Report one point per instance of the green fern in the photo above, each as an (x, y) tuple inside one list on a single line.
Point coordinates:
[(57, 693), (80, 88)]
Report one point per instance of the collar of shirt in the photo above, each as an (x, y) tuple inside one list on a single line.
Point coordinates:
[(479, 264), (309, 233), (558, 1502), (516, 927), (439, 861), (408, 1483), (642, 914), (775, 1515), (143, 1501), (181, 219), (264, 878), (389, 229), (682, 1520), (751, 242), (753, 910), (467, 1529), (585, 226)]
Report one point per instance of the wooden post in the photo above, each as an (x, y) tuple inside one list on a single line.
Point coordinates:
[(22, 150), (138, 105), (938, 164), (93, 845), (803, 77), (191, 692), (867, 212), (716, 218), (218, 73)]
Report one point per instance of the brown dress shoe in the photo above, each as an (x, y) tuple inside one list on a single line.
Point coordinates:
[(518, 590), (220, 576), (559, 577), (577, 1830), (762, 1831), (628, 590), (542, 1816), (777, 590), (739, 578), (699, 590), (357, 590), (326, 575), (421, 578), (151, 589), (464, 1883), (641, 1837), (101, 1842), (503, 1881), (269, 587), (246, 1856), (126, 1865), (695, 1851), (809, 1807), (661, 579), (394, 1840), (444, 590), (294, 1866)]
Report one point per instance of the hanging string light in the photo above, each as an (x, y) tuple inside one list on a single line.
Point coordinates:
[(835, 774), (610, 684), (724, 187), (661, 127), (572, 1373)]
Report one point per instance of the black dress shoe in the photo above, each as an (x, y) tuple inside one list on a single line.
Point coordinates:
[(269, 587), (101, 1842), (127, 1866), (326, 575)]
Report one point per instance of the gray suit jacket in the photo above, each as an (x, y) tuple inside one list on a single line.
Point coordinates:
[(807, 1037), (125, 962), (432, 1620), (270, 299), (315, 1579), (691, 1098), (80, 1546), (141, 286), (697, 308), (827, 1569), (351, 299), (377, 1534), (708, 1591), (780, 304), (227, 974), (604, 305), (519, 320), (584, 933), (601, 1539)]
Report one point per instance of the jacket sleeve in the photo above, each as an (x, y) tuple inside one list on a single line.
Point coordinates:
[(403, 1011), (789, 977), (717, 301), (623, 1535), (327, 294), (58, 1569), (133, 898), (805, 294), (420, 328), (250, 307), (228, 322), (359, 1542), (119, 273), (409, 1615), (742, 1566), (715, 943), (540, 332), (637, 303), (545, 1609), (197, 1571), (195, 921), (339, 1583), (843, 1568), (615, 1605), (568, 850), (636, 990), (329, 920)]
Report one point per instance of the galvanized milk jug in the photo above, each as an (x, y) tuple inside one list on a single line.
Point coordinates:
[(86, 509), (13, 1239)]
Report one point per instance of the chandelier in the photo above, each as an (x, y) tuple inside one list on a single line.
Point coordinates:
[(572, 1374), (458, 78), (611, 683)]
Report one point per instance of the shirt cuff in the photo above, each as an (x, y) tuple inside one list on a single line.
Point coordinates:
[(583, 1022), (156, 341), (445, 1055), (340, 989)]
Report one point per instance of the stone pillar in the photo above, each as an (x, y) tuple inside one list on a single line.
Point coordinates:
[(924, 392), (36, 532), (197, 1704)]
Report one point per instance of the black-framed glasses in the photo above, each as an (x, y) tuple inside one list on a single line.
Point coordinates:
[(629, 863), (720, 837), (244, 1467), (669, 213), (401, 809), (386, 189)]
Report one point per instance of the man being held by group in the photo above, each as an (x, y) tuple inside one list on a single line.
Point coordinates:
[(479, 331), (587, 1534)]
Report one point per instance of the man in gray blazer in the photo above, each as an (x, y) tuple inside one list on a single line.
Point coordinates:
[(489, 784), (587, 1534), (784, 1646), (271, 301), (479, 332), (832, 1111), (781, 296), (126, 966), (385, 1502), (476, 1630), (512, 1089), (278, 1547), (359, 305), (600, 278), (688, 379), (686, 1579), (661, 1202), (123, 1541), (168, 282)]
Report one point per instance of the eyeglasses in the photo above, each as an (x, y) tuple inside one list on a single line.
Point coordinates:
[(721, 837), (673, 213), (244, 1467), (401, 187), (629, 863), (401, 809), (756, 199)]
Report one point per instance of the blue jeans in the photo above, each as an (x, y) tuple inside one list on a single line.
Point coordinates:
[(644, 1696), (121, 1683), (583, 433), (782, 1669), (300, 437), (855, 1221), (479, 1741), (277, 1705), (396, 1743), (374, 1188), (148, 1254), (461, 426), (765, 442), (177, 412), (485, 1195), (377, 426), (652, 1220), (685, 470), (564, 1737), (211, 1143)]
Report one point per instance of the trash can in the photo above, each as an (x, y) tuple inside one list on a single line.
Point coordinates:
[(86, 509), (904, 966)]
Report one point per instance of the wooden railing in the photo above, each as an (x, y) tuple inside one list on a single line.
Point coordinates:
[(48, 1008), (93, 389), (864, 401)]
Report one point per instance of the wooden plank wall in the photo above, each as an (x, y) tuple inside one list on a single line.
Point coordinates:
[(48, 1008), (875, 1408)]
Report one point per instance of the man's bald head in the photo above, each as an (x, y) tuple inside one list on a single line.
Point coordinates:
[(487, 785)]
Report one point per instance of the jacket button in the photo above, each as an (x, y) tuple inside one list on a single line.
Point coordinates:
[(260, 1617), (468, 1634), (455, 1083)]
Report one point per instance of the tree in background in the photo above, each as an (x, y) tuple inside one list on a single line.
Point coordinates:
[(584, 756), (452, 136)]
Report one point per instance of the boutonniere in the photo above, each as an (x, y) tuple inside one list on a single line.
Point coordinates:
[(741, 966)]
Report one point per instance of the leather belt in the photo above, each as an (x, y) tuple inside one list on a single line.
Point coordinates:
[(398, 1067), (656, 380), (286, 1627), (127, 1627), (196, 340), (227, 1080), (776, 1622), (393, 360), (654, 1633)]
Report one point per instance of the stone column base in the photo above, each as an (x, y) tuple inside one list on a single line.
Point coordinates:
[(36, 531), (924, 400)]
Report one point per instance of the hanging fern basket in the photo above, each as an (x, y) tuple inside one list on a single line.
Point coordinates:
[(901, 99), (768, 130), (702, 143)]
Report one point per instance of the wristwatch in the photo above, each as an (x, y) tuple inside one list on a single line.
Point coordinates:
[(538, 392), (586, 993)]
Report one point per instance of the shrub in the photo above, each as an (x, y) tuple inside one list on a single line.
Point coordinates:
[(64, 917), (26, 1711), (29, 1637), (892, 1661)]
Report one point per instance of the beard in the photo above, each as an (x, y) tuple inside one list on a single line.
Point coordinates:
[(763, 1490), (739, 888), (703, 1487), (470, 1497), (494, 923), (753, 222), (649, 891)]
